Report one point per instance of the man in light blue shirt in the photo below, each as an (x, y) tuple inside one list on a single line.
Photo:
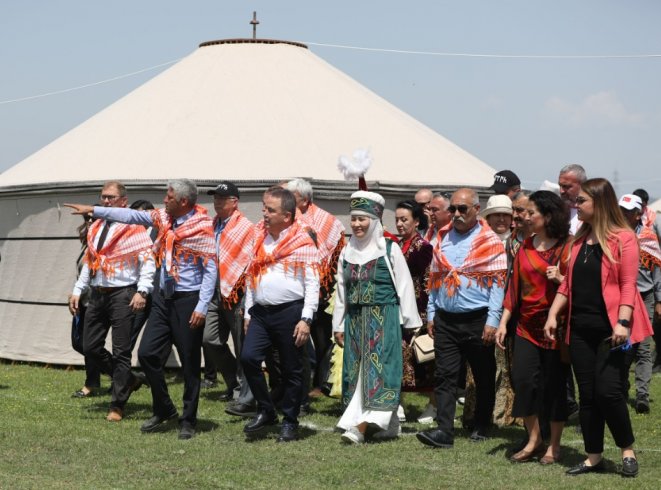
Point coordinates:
[(464, 309), (186, 250)]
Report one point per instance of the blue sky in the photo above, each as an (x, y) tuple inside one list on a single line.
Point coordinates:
[(529, 115)]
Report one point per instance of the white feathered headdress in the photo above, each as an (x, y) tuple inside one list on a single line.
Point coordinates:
[(356, 167)]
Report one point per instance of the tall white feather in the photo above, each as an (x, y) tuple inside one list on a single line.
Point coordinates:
[(357, 166)]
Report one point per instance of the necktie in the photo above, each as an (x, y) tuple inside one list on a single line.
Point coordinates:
[(102, 240)]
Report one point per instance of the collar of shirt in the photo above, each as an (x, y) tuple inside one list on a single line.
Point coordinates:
[(270, 243), (183, 218)]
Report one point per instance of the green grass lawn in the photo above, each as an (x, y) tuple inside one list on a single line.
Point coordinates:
[(49, 440)]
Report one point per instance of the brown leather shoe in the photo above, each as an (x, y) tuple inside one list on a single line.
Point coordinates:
[(115, 415), (524, 456)]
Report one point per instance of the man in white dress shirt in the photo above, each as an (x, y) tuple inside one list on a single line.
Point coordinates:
[(119, 269), (281, 298)]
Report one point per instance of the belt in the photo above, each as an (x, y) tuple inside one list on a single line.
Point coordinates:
[(462, 317), (110, 290), (281, 306), (180, 294)]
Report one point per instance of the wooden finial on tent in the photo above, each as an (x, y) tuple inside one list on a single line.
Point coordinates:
[(254, 23)]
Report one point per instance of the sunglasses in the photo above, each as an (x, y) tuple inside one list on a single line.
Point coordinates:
[(462, 208)]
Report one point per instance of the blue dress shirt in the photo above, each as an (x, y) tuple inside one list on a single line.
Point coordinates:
[(455, 247)]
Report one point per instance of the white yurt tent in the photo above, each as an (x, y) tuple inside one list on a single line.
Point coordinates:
[(256, 112)]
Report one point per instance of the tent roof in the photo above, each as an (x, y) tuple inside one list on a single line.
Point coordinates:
[(249, 110)]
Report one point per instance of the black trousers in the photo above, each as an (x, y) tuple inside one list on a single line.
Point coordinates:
[(321, 333), (168, 325), (539, 381), (601, 375), (92, 373), (273, 326), (458, 337), (106, 310)]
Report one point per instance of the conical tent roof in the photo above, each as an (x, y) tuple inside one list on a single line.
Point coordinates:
[(249, 110)]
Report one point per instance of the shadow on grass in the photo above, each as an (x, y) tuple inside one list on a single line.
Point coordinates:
[(272, 432), (4, 387)]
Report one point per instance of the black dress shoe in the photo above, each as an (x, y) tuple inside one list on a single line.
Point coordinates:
[(186, 431), (155, 423), (139, 379), (642, 405), (241, 410), (479, 435), (205, 384), (581, 468), (226, 395), (259, 421), (436, 438), (629, 467), (288, 433)]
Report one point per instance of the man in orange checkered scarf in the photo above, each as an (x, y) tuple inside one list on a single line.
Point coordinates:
[(328, 234), (234, 238), (465, 304)]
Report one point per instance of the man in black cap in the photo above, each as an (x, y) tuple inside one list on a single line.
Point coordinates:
[(234, 235), (506, 182)]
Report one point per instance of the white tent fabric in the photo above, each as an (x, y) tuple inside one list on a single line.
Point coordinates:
[(252, 112)]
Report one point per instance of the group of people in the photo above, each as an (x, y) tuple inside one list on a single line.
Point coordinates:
[(554, 280)]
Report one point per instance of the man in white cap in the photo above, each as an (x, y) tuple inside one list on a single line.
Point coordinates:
[(498, 214), (649, 285)]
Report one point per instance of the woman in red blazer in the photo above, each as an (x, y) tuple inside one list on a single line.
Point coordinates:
[(605, 316)]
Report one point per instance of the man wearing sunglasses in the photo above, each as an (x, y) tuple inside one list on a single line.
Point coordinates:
[(467, 278)]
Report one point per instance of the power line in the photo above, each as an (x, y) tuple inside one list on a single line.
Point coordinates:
[(498, 56), (363, 48), (79, 87)]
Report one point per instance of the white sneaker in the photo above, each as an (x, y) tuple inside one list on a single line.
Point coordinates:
[(400, 414), (429, 415), (461, 400), (353, 436), (393, 431)]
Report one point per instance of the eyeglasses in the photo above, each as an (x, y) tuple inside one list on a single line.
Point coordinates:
[(581, 200), (462, 208), (109, 197)]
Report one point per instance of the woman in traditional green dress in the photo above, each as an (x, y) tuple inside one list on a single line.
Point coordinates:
[(375, 298)]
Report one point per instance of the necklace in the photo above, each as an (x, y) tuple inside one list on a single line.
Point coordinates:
[(587, 254)]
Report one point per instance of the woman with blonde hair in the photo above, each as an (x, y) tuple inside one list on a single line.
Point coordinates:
[(605, 315)]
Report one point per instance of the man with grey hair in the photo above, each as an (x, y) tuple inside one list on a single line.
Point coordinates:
[(439, 217), (185, 248), (328, 234), (570, 179)]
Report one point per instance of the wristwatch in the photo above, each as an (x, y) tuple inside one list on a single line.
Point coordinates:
[(143, 294), (624, 323), (307, 320)]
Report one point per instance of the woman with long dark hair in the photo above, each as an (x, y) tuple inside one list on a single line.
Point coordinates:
[(606, 315), (409, 217), (538, 374)]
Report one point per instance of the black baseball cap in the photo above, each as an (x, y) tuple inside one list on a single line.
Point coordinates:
[(503, 180), (225, 189)]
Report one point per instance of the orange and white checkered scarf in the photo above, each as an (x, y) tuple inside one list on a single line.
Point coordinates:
[(125, 247), (485, 263), (193, 239), (650, 253), (234, 254), (329, 237), (295, 251), (648, 218)]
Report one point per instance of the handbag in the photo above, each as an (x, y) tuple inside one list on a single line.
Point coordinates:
[(423, 348)]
